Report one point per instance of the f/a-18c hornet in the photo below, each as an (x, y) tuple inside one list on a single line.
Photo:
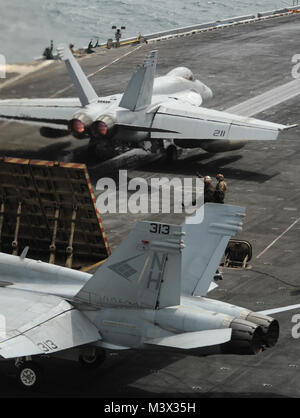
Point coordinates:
[(158, 114), (149, 294)]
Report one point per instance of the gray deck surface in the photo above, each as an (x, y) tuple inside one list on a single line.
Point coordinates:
[(237, 63)]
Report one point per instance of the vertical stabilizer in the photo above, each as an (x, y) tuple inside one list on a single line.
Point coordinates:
[(205, 244), (138, 94), (143, 272), (85, 90)]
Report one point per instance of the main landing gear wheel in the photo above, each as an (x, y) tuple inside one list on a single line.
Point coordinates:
[(92, 359), (29, 375), (172, 153), (101, 150)]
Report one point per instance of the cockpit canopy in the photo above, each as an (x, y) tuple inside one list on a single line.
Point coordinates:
[(182, 72)]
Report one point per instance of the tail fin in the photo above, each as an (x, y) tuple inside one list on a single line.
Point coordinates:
[(205, 244), (85, 90), (138, 93), (143, 272)]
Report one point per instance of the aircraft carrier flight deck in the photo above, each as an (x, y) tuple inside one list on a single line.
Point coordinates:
[(237, 63)]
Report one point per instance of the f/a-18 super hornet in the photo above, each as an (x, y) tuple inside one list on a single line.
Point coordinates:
[(161, 113), (149, 294)]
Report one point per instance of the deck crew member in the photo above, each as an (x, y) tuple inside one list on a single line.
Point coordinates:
[(209, 189), (221, 189)]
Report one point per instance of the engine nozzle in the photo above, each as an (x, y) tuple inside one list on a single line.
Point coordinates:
[(247, 338), (104, 126), (270, 327), (79, 125)]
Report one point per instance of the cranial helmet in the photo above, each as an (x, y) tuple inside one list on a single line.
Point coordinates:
[(207, 178)]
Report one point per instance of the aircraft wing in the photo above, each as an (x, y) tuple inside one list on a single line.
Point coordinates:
[(33, 323), (52, 113), (185, 121)]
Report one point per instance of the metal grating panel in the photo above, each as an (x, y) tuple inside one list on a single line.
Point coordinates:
[(50, 207)]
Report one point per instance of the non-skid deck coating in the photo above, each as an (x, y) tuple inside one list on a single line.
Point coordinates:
[(237, 63)]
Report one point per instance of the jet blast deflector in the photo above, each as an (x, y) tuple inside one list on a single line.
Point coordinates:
[(50, 207)]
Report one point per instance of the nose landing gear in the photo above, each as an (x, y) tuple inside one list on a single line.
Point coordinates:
[(29, 374)]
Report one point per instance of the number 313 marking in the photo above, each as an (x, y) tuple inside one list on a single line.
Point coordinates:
[(47, 346), (160, 229)]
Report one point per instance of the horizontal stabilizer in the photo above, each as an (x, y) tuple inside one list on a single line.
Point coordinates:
[(40, 324), (138, 94), (86, 92), (52, 113), (192, 340)]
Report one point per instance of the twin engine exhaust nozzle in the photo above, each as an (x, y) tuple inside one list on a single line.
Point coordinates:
[(252, 335), (82, 126)]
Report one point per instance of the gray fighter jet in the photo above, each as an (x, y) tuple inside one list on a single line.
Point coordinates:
[(149, 294), (161, 113)]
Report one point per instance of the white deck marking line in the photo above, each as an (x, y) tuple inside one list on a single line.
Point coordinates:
[(267, 100), (100, 69), (31, 69), (278, 310), (19, 77), (278, 238), (4, 124)]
